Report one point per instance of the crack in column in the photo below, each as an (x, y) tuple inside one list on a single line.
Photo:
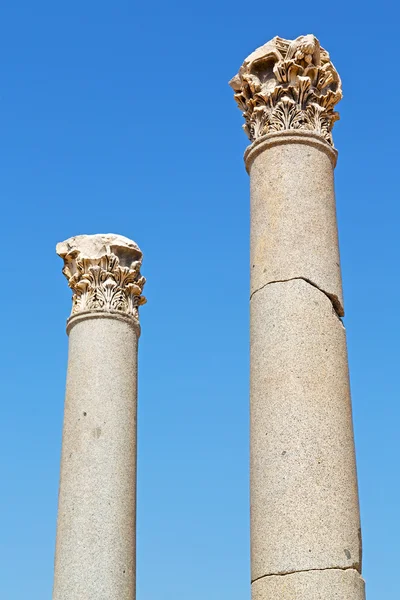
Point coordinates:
[(351, 568), (337, 307)]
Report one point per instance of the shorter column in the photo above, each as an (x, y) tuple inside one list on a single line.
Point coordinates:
[(96, 528)]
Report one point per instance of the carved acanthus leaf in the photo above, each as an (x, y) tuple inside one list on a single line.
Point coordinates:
[(103, 272), (288, 85)]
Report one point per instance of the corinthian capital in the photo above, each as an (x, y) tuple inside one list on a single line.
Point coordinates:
[(103, 272), (288, 85)]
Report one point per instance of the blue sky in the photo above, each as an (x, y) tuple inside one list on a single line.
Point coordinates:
[(117, 117)]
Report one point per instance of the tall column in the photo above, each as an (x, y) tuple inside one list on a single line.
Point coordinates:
[(305, 524), (95, 548)]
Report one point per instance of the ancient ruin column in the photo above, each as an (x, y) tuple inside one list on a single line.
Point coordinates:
[(305, 524), (95, 549)]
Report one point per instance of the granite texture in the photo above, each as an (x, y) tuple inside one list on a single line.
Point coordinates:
[(332, 584), (304, 499), (293, 213), (95, 549), (305, 524)]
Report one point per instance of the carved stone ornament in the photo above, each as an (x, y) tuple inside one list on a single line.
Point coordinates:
[(288, 85), (103, 272)]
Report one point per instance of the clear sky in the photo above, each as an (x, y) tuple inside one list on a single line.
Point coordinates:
[(117, 117)]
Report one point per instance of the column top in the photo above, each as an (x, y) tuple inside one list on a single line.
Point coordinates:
[(288, 85), (103, 271)]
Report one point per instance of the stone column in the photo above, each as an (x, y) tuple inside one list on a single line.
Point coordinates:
[(305, 524), (95, 548)]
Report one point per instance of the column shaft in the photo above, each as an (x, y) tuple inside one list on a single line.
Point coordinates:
[(304, 503), (304, 499), (293, 212), (95, 550)]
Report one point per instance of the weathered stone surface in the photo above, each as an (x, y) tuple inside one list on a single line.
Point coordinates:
[(95, 551), (303, 496), (97, 245), (293, 213), (332, 584), (304, 500), (96, 527), (103, 271), (288, 85)]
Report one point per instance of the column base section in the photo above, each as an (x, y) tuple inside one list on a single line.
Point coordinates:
[(328, 584)]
